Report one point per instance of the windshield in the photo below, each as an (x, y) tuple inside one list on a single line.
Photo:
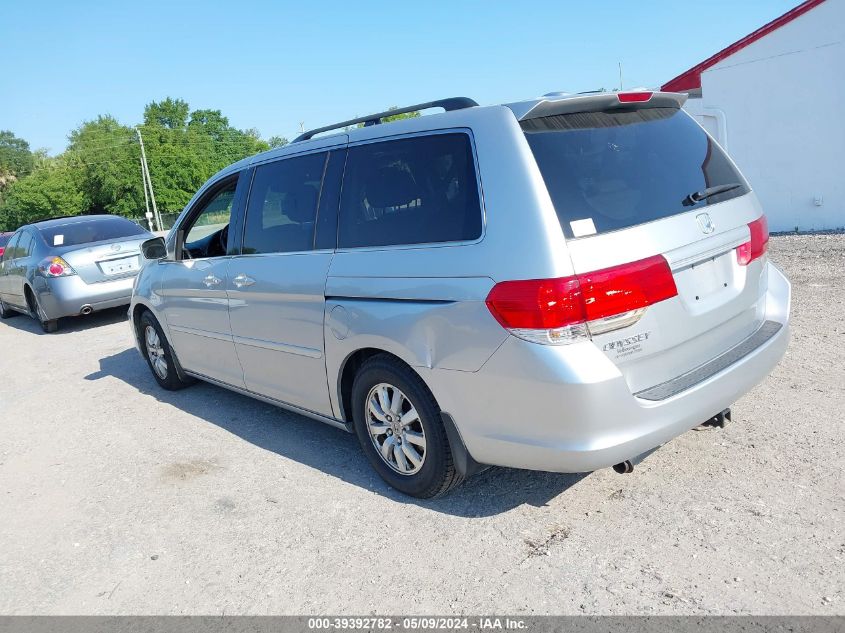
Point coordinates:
[(610, 170), (94, 230)]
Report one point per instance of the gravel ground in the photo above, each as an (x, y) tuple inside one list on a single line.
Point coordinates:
[(119, 498)]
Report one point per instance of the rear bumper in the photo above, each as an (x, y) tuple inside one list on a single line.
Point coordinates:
[(66, 296), (569, 409)]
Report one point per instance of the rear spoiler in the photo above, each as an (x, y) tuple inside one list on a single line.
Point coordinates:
[(603, 101)]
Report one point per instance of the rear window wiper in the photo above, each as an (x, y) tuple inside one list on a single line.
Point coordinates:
[(698, 196)]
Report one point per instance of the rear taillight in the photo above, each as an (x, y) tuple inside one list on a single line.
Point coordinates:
[(563, 310), (55, 267), (757, 245), (2, 250), (633, 97)]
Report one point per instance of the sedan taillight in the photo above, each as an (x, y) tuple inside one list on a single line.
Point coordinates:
[(55, 267)]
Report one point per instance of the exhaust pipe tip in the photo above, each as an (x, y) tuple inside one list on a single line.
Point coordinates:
[(86, 309), (624, 468)]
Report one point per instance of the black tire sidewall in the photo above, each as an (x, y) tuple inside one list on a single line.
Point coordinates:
[(172, 381), (429, 481), (5, 311)]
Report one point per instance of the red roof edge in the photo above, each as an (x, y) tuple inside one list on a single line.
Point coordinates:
[(691, 79)]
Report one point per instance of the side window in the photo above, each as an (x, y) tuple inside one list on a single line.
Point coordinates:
[(207, 234), (410, 191), (282, 209), (11, 247), (25, 246)]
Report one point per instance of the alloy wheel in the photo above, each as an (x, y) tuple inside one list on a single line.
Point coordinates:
[(395, 429), (155, 352)]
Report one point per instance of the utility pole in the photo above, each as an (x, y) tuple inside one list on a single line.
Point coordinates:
[(620, 76), (145, 170), (147, 213)]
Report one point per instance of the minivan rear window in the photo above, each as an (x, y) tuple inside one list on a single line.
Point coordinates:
[(89, 231), (414, 190), (611, 170)]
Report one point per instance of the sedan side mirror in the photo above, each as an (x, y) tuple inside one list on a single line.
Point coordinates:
[(154, 249)]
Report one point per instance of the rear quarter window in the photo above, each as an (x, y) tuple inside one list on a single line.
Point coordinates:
[(90, 231), (415, 190), (611, 170)]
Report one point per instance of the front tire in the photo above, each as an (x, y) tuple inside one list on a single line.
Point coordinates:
[(159, 354), (397, 421)]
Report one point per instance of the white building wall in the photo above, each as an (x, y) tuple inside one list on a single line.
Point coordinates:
[(778, 106)]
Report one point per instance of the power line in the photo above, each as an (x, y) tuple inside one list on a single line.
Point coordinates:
[(185, 141)]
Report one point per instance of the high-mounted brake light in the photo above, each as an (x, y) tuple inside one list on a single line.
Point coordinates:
[(633, 97), (563, 310), (55, 267), (757, 245)]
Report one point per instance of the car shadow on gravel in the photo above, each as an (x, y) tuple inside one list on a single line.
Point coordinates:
[(332, 450), (69, 325)]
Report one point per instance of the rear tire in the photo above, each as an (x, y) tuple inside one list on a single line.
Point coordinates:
[(397, 421), (37, 312), (159, 354)]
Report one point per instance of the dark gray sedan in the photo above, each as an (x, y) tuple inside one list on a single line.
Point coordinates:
[(69, 266)]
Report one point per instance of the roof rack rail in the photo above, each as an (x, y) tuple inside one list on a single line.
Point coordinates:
[(453, 103)]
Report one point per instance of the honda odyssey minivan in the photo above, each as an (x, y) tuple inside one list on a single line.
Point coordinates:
[(560, 284)]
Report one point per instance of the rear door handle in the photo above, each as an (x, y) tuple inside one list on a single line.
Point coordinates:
[(242, 281), (211, 280)]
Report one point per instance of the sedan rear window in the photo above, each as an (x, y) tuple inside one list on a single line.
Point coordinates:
[(89, 231), (611, 170)]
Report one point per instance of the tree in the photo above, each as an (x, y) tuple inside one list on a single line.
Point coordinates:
[(100, 171), (170, 113), (397, 117), (276, 142), (106, 157), (16, 161), (184, 150), (15, 157), (48, 191)]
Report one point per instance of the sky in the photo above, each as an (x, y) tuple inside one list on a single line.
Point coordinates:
[(276, 65)]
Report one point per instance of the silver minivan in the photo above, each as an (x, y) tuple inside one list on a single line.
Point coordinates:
[(560, 284)]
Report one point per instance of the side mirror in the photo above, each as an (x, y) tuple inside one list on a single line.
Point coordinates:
[(154, 249)]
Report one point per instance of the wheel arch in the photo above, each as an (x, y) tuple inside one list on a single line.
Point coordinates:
[(137, 309), (464, 461), (346, 376)]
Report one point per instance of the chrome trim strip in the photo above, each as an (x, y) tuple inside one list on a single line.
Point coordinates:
[(278, 347), (204, 333), (712, 367)]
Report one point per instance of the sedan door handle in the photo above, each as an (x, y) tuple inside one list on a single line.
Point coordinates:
[(211, 280), (242, 280)]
